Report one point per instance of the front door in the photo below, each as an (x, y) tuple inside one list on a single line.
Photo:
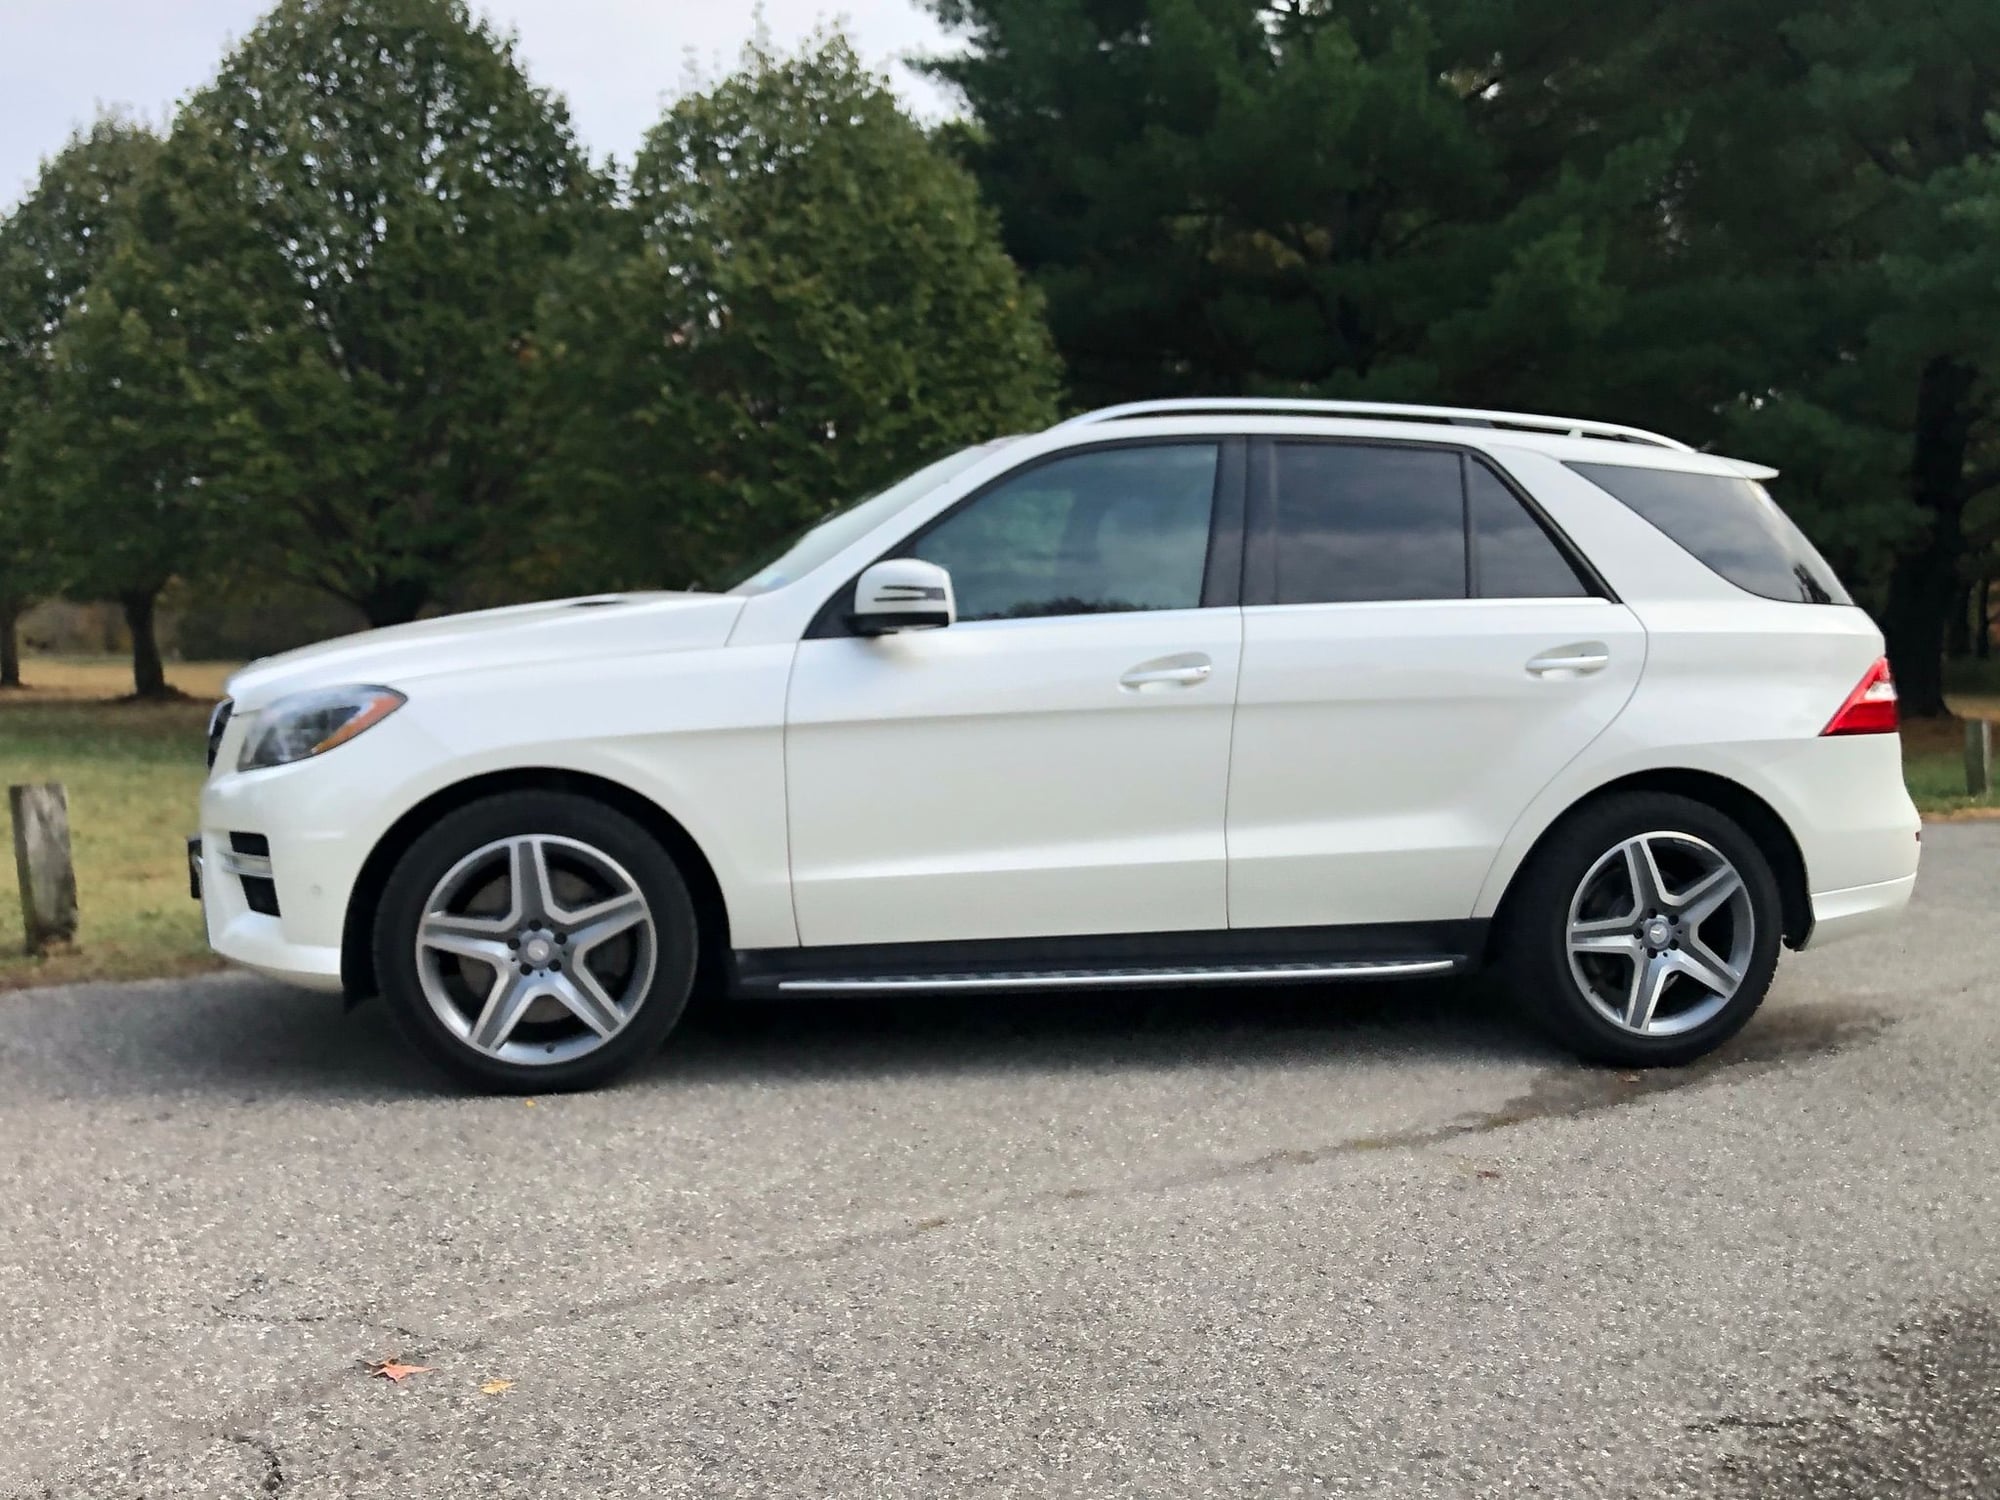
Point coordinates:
[(1057, 761), (1420, 658)]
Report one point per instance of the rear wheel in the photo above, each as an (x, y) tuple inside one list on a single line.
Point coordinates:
[(536, 942), (1644, 932)]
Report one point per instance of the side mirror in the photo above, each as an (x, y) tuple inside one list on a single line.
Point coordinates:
[(902, 593)]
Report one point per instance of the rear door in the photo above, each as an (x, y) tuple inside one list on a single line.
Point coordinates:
[(1421, 655)]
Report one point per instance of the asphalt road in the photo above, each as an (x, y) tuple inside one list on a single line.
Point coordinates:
[(1309, 1243)]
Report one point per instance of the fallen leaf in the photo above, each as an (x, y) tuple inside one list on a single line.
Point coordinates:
[(1487, 1172), (529, 1103), (496, 1387), (396, 1373)]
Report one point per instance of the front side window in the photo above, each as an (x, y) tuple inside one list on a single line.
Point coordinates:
[(1361, 524), (1112, 530), (1730, 524)]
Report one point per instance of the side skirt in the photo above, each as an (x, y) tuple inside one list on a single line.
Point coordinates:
[(1277, 955)]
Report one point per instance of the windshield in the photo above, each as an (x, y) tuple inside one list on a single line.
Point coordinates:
[(806, 550)]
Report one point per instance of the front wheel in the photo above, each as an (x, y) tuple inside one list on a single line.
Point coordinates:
[(536, 942), (1644, 932)]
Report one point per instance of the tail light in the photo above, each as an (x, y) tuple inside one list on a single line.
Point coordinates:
[(1870, 708)]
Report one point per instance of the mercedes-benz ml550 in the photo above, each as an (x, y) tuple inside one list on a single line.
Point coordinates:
[(1196, 692)]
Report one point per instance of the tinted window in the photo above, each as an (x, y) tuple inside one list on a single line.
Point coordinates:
[(1514, 558), (1360, 523), (1117, 529), (1730, 524)]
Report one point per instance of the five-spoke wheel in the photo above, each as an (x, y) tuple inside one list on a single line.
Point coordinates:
[(1644, 930), (540, 942), (536, 948), (1660, 933)]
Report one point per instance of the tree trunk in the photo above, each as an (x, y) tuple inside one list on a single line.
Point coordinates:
[(1958, 630), (1923, 581), (149, 677), (10, 642)]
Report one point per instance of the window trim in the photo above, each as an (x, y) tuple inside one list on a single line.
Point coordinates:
[(1222, 568), (1465, 530), (1260, 556)]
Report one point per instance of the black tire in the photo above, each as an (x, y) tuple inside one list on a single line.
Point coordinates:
[(1533, 933), (516, 815)]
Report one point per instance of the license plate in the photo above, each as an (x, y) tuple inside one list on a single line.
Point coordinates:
[(194, 865)]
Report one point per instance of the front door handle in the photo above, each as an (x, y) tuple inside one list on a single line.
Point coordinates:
[(1577, 659), (1168, 672)]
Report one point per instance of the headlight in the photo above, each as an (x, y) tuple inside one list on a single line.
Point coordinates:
[(314, 722)]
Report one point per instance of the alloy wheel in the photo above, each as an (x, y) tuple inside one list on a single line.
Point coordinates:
[(1660, 933), (536, 949)]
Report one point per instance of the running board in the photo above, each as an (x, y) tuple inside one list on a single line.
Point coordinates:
[(1125, 978)]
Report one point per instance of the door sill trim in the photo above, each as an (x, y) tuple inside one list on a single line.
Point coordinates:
[(1071, 979), (1268, 955)]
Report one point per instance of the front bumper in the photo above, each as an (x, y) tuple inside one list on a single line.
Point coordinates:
[(280, 849), (250, 938)]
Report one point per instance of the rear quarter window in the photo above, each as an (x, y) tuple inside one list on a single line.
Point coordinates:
[(1730, 524)]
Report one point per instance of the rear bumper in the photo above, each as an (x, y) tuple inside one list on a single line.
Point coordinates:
[(1858, 909)]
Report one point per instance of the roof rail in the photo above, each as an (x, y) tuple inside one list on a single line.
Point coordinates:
[(1456, 416)]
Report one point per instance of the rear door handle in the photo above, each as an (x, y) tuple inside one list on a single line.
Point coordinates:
[(1578, 659), (1168, 672)]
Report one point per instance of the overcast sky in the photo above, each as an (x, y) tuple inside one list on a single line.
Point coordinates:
[(613, 60)]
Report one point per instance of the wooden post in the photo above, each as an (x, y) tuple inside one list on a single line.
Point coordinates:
[(41, 857), (1978, 757)]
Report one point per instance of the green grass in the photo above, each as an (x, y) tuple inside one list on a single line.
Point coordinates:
[(1934, 768), (1934, 752), (134, 772)]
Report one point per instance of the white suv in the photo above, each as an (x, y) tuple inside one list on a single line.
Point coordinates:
[(1184, 692)]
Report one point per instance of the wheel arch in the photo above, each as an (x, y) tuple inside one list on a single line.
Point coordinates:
[(1757, 818), (357, 948)]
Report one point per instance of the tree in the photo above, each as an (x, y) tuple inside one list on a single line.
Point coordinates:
[(113, 460), (1764, 224), (1841, 196), (1413, 201), (808, 299), (362, 212), (50, 247), (1920, 106)]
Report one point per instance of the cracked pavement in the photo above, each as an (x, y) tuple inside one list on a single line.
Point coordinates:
[(1310, 1242)]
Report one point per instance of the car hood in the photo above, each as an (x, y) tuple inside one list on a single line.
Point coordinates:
[(598, 625)]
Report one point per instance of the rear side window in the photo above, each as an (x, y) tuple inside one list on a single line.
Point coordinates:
[(1512, 556), (1359, 524), (1730, 524), (1363, 524)]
